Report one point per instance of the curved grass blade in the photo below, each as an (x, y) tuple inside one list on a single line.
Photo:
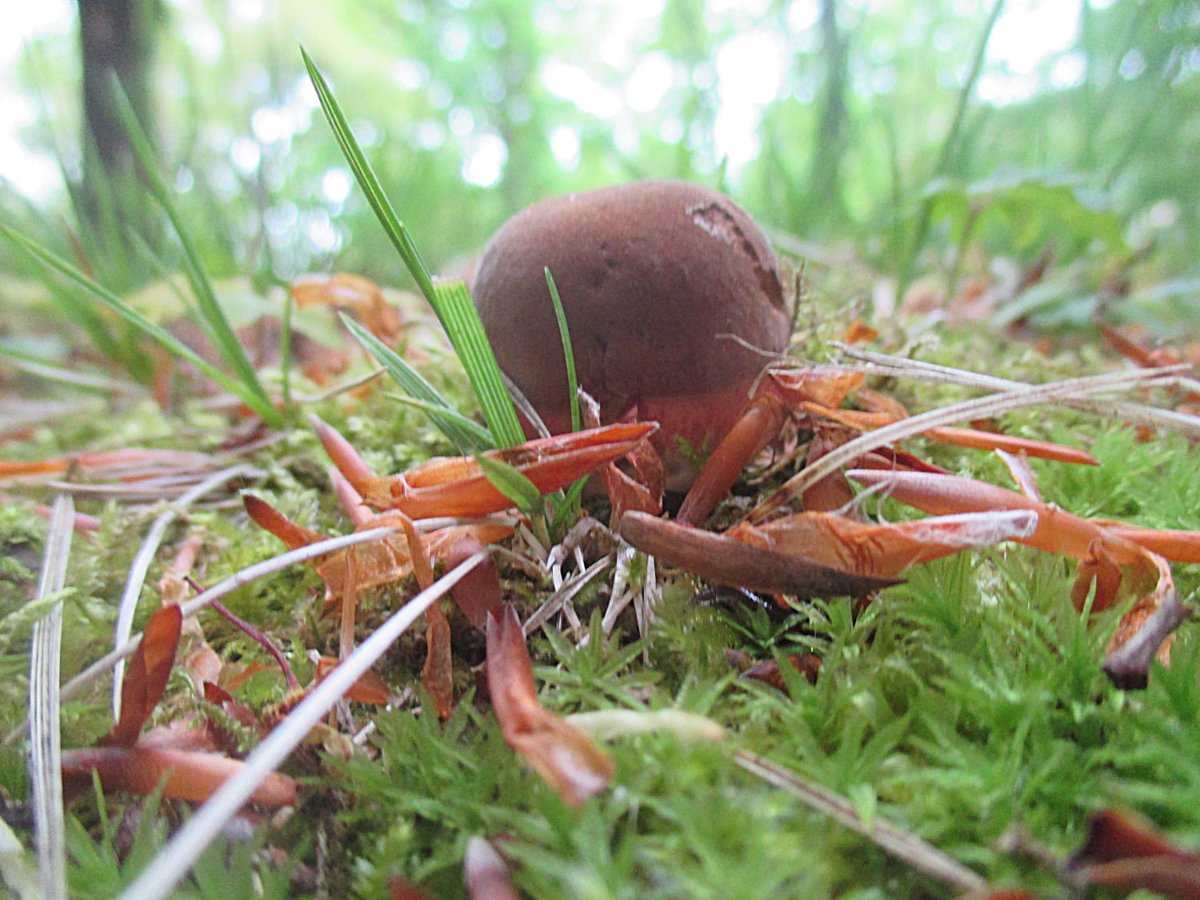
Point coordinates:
[(369, 183), (259, 403), (443, 416), (461, 431), (458, 318), (568, 353)]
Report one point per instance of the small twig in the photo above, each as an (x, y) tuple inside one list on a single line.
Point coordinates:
[(903, 845), (255, 634)]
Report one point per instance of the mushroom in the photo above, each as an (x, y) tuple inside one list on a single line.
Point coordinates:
[(672, 296)]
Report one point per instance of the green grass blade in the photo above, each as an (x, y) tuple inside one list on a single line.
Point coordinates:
[(568, 354), (566, 509), (451, 302), (211, 318), (260, 404), (461, 321), (472, 438), (446, 417), (369, 183), (512, 484)]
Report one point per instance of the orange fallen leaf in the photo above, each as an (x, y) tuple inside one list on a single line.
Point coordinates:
[(560, 753), (189, 775), (859, 332)]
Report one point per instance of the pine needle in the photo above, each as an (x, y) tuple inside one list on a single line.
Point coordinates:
[(178, 856), (1024, 396), (904, 846), (1139, 413), (45, 752)]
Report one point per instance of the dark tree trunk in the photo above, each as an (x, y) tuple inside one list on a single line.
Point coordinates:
[(824, 189), (117, 38)]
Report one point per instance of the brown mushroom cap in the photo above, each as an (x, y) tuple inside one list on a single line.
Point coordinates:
[(652, 275)]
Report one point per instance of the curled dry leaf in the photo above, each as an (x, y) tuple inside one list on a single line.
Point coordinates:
[(561, 754), (477, 593), (882, 551), (438, 672), (1113, 556), (729, 561), (369, 688), (353, 292), (189, 775), (767, 671), (643, 492), (376, 563), (457, 486)]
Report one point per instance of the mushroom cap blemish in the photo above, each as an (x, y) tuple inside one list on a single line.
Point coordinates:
[(655, 277)]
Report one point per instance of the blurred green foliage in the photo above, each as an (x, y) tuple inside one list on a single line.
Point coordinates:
[(840, 121)]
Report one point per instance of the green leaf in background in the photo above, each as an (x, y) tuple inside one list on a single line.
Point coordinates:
[(209, 315), (1029, 206), (451, 302), (466, 435), (260, 404)]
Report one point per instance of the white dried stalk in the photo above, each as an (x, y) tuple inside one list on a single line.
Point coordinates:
[(611, 724), (622, 590), (645, 603), (182, 851), (229, 585), (1026, 395), (569, 589), (45, 758), (882, 364), (1022, 474), (141, 565)]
